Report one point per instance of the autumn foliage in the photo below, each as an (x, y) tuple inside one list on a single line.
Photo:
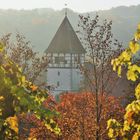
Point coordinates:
[(130, 128), (77, 119), (18, 97), (34, 128)]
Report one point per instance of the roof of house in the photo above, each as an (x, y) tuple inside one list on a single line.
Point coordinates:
[(65, 40)]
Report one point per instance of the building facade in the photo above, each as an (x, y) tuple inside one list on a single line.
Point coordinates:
[(65, 54)]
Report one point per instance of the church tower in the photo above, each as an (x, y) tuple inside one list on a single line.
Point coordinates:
[(65, 53)]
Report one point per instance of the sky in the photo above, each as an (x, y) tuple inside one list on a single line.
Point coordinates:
[(76, 5)]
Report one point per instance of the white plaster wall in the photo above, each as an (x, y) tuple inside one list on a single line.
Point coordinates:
[(76, 79), (64, 79)]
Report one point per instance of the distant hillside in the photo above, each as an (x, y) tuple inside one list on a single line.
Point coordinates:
[(40, 25)]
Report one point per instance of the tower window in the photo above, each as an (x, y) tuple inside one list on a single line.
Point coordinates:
[(77, 59), (58, 84), (60, 59), (58, 73), (56, 59)]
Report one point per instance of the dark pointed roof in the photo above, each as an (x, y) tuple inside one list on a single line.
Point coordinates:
[(65, 40)]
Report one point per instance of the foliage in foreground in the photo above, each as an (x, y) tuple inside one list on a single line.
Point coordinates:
[(18, 97), (78, 115), (21, 52), (130, 129), (98, 39)]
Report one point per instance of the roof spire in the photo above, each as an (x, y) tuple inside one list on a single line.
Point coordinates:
[(65, 9)]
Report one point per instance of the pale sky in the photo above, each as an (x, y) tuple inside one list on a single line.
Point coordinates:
[(76, 5)]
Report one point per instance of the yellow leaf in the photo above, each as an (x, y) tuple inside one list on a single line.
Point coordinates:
[(1, 98), (23, 79), (119, 71), (137, 91), (110, 133), (126, 126), (134, 47), (135, 137), (131, 75), (13, 123), (125, 56), (0, 112)]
